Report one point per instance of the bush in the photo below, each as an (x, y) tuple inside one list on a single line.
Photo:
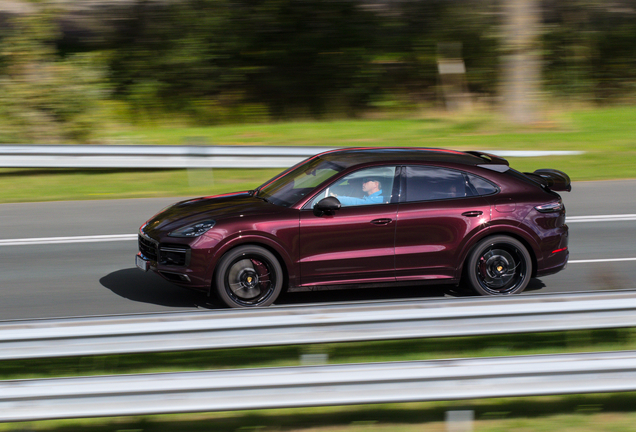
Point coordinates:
[(44, 98)]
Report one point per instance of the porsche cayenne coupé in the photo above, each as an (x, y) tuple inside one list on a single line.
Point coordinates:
[(366, 217)]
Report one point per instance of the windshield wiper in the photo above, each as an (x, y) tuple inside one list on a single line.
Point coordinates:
[(261, 198)]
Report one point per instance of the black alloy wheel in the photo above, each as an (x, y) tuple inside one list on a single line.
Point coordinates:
[(248, 276), (499, 265)]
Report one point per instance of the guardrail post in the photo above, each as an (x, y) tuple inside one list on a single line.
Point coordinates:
[(198, 176), (460, 421)]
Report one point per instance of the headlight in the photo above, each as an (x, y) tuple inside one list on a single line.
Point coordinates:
[(193, 230)]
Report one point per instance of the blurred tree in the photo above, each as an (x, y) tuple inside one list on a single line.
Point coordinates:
[(521, 60), (43, 98), (220, 61), (589, 49), (416, 29), (288, 55), (169, 57)]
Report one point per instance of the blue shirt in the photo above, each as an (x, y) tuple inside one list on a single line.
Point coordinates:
[(374, 198)]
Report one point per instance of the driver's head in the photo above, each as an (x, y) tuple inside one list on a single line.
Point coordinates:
[(371, 185)]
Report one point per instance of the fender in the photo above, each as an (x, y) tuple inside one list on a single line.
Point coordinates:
[(516, 231)]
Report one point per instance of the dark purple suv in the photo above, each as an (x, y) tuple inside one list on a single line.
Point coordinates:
[(366, 217)]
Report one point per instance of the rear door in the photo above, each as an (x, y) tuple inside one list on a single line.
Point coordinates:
[(439, 210)]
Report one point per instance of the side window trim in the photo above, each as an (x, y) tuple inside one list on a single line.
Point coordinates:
[(402, 193), (396, 193), (469, 185)]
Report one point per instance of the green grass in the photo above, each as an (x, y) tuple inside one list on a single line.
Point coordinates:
[(579, 413), (608, 136)]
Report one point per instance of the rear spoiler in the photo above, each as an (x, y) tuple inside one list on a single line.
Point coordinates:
[(552, 179), (492, 162)]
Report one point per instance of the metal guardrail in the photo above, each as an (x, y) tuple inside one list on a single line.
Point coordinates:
[(161, 332), (123, 156), (291, 387), (89, 156)]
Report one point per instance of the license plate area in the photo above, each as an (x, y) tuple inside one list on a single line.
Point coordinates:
[(141, 263)]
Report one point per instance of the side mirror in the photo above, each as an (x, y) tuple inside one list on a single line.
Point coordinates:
[(326, 206)]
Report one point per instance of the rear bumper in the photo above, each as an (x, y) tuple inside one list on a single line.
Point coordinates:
[(562, 262)]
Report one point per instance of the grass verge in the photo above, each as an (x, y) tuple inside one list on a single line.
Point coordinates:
[(606, 135), (578, 413)]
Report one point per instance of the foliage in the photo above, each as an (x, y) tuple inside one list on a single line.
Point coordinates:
[(273, 57), (209, 62), (43, 97), (589, 49), (223, 61)]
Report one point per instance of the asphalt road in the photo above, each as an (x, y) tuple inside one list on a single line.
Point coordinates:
[(99, 277)]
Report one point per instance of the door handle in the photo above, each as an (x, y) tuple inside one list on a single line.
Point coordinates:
[(385, 221), (473, 213)]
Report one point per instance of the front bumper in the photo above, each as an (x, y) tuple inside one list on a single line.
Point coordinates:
[(175, 262)]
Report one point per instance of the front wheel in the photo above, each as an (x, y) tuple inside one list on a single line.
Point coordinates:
[(498, 265), (248, 276)]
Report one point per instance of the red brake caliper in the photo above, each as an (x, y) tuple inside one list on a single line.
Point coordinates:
[(263, 275)]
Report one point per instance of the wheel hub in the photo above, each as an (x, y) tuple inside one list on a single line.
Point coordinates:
[(497, 266), (248, 278), (497, 269)]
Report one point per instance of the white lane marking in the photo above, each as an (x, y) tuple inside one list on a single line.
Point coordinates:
[(60, 240), (600, 218), (600, 260), (128, 237)]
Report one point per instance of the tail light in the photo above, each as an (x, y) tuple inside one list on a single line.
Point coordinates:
[(552, 207)]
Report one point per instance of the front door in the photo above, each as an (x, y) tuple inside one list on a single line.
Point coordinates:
[(354, 244)]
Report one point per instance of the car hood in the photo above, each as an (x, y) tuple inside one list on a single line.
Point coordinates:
[(198, 209)]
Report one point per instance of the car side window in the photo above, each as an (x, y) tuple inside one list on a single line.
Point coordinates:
[(363, 187), (481, 186), (425, 183)]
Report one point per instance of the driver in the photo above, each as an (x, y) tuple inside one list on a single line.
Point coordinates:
[(372, 187)]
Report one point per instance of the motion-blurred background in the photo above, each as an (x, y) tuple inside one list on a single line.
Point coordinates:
[(464, 74), (69, 70)]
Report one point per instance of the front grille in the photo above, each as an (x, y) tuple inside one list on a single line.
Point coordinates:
[(148, 248)]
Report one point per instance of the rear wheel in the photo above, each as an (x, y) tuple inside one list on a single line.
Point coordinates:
[(248, 276), (498, 265)]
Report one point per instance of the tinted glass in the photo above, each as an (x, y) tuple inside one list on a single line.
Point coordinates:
[(432, 183), (481, 186), (363, 187), (298, 182)]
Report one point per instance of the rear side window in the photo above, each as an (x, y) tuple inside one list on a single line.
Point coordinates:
[(482, 187), (433, 183)]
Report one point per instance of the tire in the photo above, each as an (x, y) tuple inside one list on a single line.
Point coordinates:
[(498, 266), (248, 276)]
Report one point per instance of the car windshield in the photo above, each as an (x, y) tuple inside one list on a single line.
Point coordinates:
[(299, 181)]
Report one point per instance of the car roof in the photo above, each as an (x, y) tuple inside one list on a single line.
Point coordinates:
[(355, 156)]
